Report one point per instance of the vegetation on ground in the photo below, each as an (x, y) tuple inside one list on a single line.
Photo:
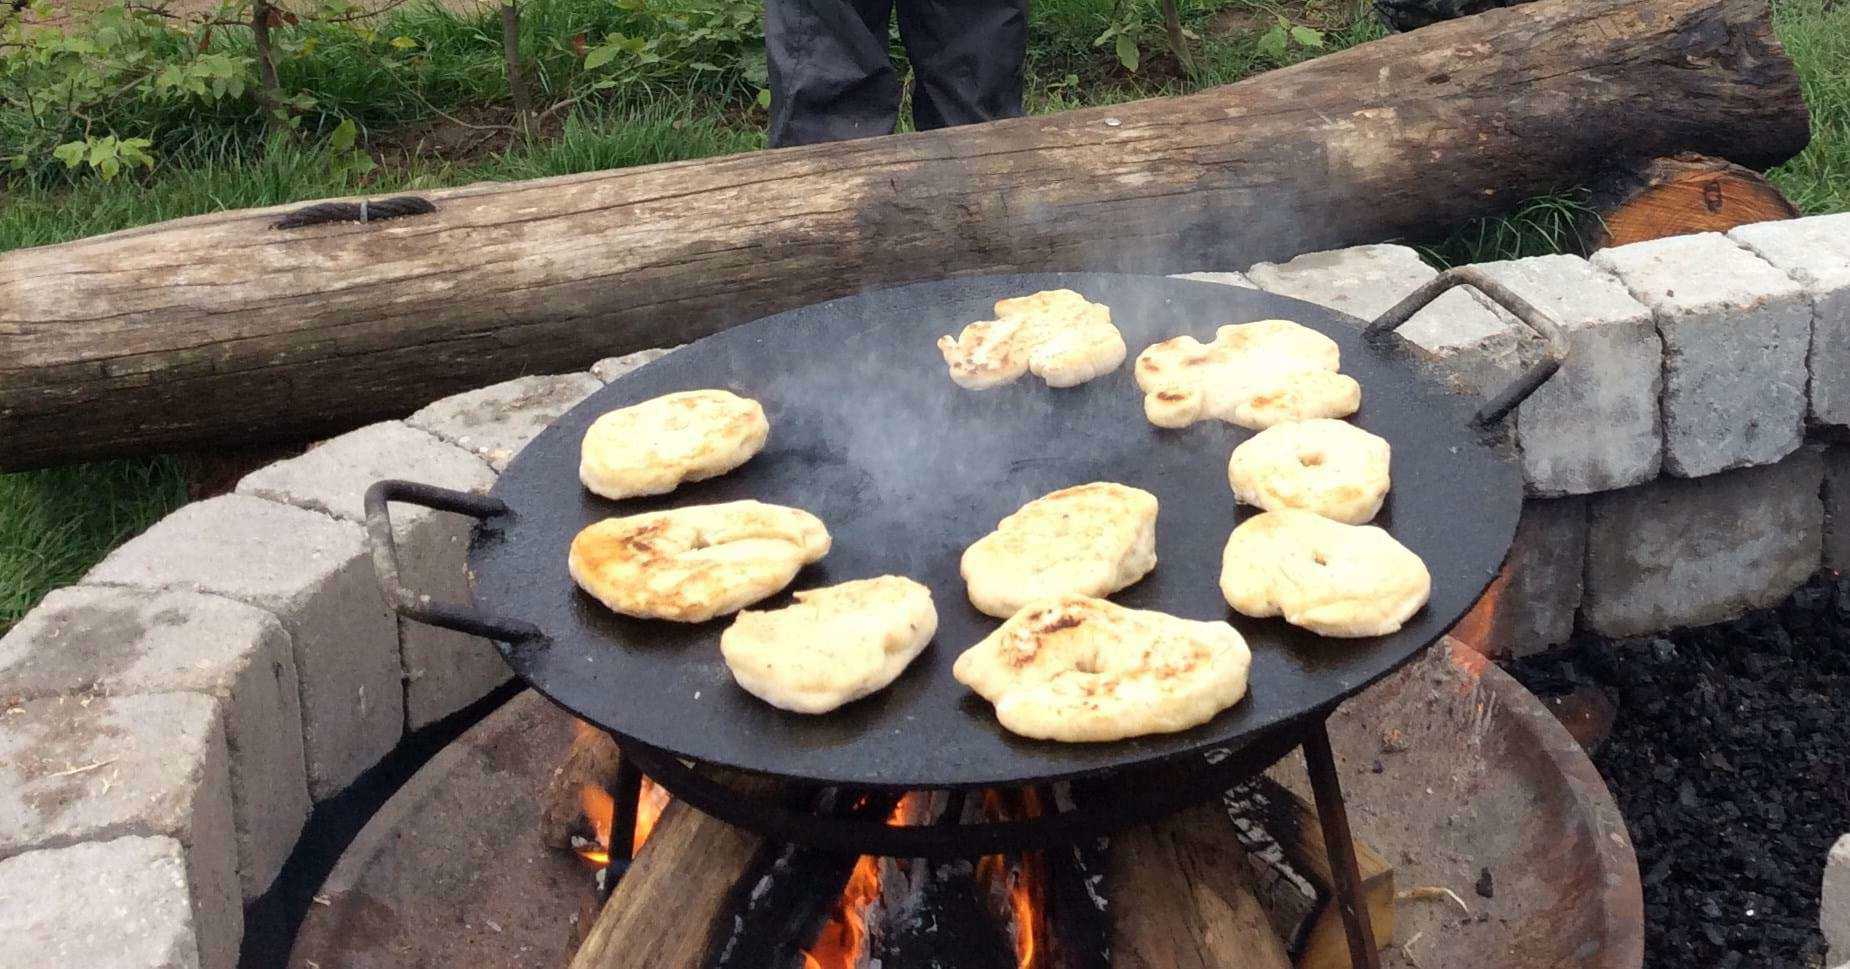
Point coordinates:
[(118, 113)]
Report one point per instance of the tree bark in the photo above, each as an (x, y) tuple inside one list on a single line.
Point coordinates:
[(510, 50), (1681, 195), (218, 328)]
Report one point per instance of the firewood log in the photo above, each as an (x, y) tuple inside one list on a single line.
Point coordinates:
[(1182, 898), (679, 885), (1680, 195), (221, 328)]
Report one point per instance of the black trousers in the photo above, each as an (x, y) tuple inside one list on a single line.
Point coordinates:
[(831, 78)]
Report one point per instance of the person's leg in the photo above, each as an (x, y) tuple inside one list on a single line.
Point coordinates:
[(831, 78), (966, 59)]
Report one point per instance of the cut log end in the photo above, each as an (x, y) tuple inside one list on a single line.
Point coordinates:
[(1681, 195)]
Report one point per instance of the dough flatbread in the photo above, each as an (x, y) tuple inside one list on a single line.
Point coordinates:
[(691, 564), (1092, 539), (833, 646), (651, 447), (1328, 467), (1058, 335), (1080, 669), (1327, 577), (1253, 374)]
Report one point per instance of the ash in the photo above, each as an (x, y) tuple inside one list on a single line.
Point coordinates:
[(1730, 758)]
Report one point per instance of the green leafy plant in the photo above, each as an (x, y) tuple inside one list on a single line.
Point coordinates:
[(672, 40), (1137, 25), (1284, 35)]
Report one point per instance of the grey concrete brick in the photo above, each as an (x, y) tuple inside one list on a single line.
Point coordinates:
[(1479, 349), (76, 769), (1834, 901), (495, 422), (1816, 253), (315, 574), (1547, 561), (1225, 279), (121, 904), (1736, 332), (444, 670), (96, 639), (610, 368), (1837, 507), (1594, 426), (1685, 552)]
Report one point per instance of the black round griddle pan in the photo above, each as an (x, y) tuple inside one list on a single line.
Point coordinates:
[(907, 469)]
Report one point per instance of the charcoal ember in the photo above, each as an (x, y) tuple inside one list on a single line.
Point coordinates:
[(1730, 758)]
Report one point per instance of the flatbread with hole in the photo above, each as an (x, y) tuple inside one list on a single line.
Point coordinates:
[(1081, 669), (832, 646), (691, 564), (652, 447), (1057, 334), (1329, 467), (1330, 578), (1252, 374), (1091, 539)]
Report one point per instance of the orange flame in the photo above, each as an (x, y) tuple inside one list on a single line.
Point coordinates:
[(843, 940), (600, 809)]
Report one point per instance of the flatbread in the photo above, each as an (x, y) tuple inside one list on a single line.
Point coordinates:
[(1057, 334), (652, 447), (1252, 374), (1328, 467), (1327, 577), (1091, 539), (1080, 669), (691, 564), (833, 646)]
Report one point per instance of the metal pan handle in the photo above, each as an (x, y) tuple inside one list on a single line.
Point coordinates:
[(1532, 316), (411, 605)]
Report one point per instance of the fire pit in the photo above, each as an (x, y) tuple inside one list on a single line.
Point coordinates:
[(435, 880), (907, 470)]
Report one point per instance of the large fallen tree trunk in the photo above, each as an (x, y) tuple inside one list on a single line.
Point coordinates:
[(221, 329)]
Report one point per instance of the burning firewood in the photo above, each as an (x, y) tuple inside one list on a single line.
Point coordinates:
[(590, 766)]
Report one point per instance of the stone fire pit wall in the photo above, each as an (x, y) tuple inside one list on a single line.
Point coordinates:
[(169, 722)]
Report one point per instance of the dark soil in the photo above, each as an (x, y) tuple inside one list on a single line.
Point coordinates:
[(1730, 758)]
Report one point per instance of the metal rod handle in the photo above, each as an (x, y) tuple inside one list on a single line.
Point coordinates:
[(1532, 316), (411, 605)]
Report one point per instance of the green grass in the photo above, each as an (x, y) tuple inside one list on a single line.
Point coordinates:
[(1817, 35), (55, 524)]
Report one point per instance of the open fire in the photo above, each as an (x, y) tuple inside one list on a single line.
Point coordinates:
[(1011, 889), (600, 811)]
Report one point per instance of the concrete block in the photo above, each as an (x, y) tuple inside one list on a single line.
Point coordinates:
[(444, 671), (315, 574), (1834, 901), (1479, 349), (94, 639), (610, 368), (120, 904), (1685, 552), (1736, 332), (1535, 609), (1837, 507), (1225, 279), (495, 422), (1595, 425), (1816, 253), (76, 769)]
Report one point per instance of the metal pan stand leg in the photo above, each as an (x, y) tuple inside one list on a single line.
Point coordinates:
[(623, 794), (1334, 818)]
